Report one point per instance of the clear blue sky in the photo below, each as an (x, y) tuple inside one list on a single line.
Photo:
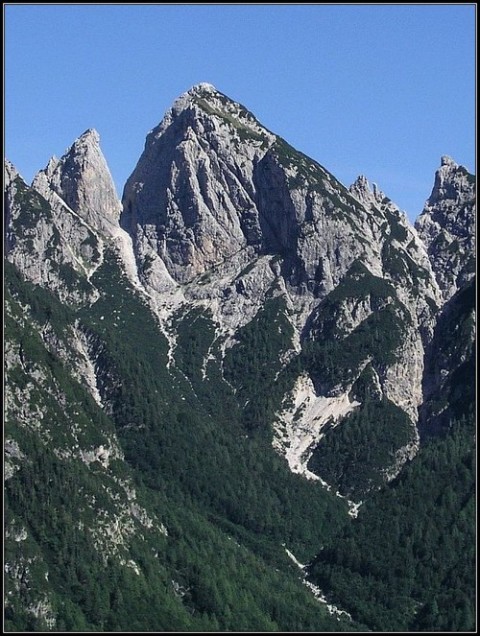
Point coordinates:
[(379, 90)]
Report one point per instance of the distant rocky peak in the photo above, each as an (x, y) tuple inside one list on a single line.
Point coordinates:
[(84, 150), (361, 190), (203, 89), (10, 173), (453, 185), (197, 93), (203, 106), (81, 178), (452, 181), (447, 226), (90, 136)]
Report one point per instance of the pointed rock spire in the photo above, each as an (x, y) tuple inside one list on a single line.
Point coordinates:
[(361, 190), (378, 194), (82, 179), (10, 173), (450, 181), (447, 226)]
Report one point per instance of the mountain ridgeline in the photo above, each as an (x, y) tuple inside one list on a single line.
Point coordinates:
[(242, 367)]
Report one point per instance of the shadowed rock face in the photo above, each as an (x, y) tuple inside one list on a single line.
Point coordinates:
[(447, 226)]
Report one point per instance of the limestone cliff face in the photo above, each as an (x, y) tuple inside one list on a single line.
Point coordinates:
[(447, 226)]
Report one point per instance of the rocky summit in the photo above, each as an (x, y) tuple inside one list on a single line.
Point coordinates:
[(240, 367), (447, 227)]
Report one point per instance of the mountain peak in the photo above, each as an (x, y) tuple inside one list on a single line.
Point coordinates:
[(361, 190), (451, 180), (361, 183), (448, 161), (204, 101), (447, 226), (89, 138), (10, 172), (203, 90), (82, 179), (203, 87)]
